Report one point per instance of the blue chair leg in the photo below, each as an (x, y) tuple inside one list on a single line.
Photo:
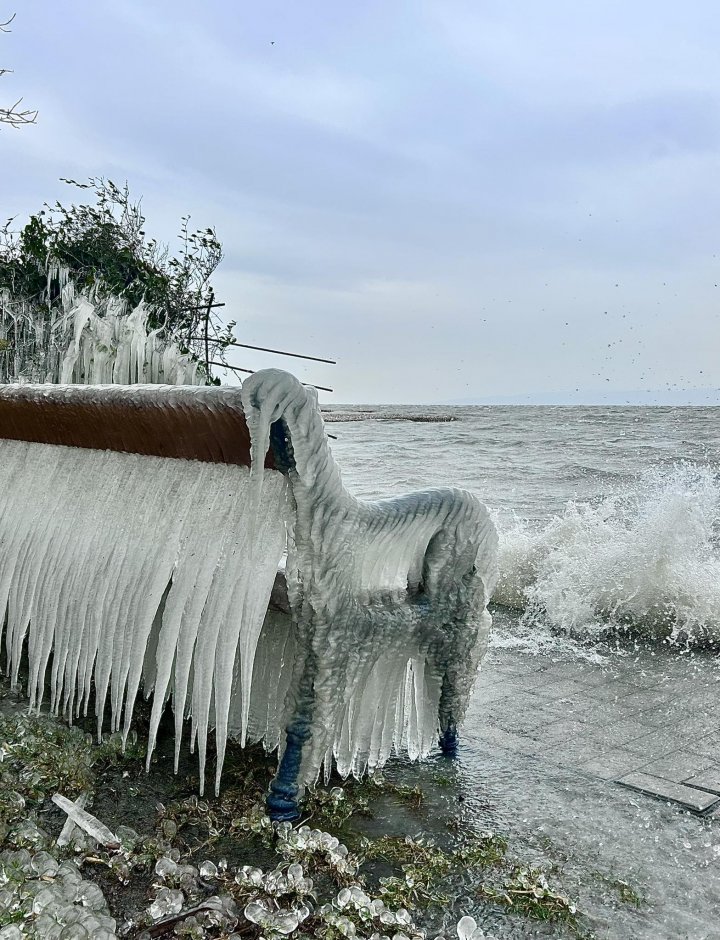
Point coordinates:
[(449, 740), (449, 737), (282, 802)]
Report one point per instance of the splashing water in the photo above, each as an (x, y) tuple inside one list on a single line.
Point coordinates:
[(646, 559)]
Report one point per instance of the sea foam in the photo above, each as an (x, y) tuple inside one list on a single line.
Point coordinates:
[(645, 559)]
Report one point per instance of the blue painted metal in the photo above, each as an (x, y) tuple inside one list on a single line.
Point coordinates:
[(449, 740), (282, 800), (281, 447)]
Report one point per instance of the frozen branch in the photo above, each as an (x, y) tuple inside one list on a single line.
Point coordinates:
[(15, 116)]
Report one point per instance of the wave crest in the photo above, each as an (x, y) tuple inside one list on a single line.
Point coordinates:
[(645, 559)]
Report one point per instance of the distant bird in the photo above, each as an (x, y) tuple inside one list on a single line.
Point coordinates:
[(272, 43)]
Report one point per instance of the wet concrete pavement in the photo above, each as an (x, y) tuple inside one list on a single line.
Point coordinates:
[(648, 720)]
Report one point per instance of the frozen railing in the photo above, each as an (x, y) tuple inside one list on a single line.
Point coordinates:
[(141, 533)]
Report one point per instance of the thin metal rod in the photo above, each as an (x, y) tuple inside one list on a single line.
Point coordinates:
[(202, 307), (207, 339), (279, 352), (224, 365)]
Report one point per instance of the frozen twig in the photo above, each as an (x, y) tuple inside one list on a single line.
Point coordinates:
[(162, 927)]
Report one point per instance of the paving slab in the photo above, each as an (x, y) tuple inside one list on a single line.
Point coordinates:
[(707, 780), (518, 743), (664, 741), (652, 721), (697, 800), (625, 733), (610, 765), (579, 709), (612, 692), (678, 765), (603, 712), (491, 693), (708, 745), (562, 689), (563, 731), (573, 754), (700, 725)]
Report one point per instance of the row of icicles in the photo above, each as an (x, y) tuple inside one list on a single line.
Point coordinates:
[(87, 340)]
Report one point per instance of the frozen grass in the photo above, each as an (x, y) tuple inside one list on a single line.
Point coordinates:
[(217, 868)]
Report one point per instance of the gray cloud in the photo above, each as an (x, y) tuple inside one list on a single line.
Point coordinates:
[(455, 200)]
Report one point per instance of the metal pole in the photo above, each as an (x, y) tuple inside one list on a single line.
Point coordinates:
[(224, 365), (280, 352)]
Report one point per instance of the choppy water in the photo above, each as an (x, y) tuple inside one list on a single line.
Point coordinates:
[(609, 521), (608, 516)]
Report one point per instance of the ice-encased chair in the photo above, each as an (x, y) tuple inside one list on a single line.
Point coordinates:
[(198, 542)]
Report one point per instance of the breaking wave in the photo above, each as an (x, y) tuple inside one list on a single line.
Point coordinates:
[(645, 559)]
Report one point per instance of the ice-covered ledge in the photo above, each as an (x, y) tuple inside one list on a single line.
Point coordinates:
[(136, 547)]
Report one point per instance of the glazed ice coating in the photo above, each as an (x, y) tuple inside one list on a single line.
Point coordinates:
[(89, 340), (388, 598), (137, 547), (131, 568)]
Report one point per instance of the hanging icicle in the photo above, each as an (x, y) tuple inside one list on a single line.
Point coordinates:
[(123, 562), (88, 341)]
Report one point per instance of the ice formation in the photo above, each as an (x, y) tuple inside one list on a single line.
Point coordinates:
[(388, 602), (129, 568), (89, 341)]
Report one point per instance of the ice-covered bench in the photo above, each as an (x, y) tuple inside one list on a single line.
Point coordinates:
[(141, 533)]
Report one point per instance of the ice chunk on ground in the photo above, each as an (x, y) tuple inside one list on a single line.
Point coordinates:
[(87, 822)]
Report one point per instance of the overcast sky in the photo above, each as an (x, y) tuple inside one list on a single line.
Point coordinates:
[(455, 200)]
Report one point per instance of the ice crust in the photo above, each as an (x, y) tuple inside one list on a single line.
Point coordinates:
[(124, 570), (388, 599), (89, 341)]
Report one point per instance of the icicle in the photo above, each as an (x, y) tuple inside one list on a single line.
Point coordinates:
[(124, 568), (87, 822), (88, 340), (87, 569)]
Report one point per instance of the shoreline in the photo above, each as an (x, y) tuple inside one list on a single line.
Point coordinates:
[(397, 853)]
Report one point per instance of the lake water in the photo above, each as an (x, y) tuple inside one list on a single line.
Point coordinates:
[(609, 521), (607, 516)]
